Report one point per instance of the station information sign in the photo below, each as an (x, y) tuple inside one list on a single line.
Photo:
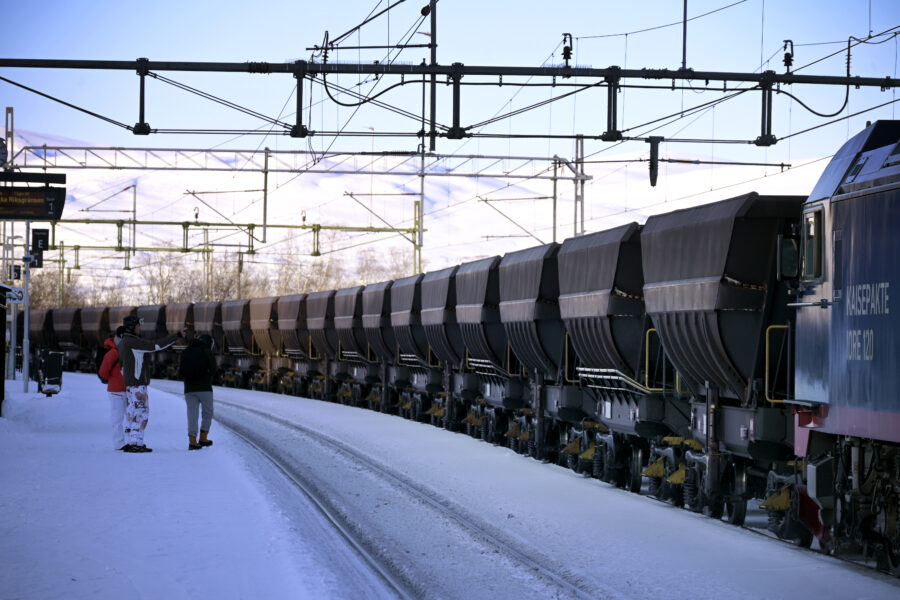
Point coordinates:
[(31, 203)]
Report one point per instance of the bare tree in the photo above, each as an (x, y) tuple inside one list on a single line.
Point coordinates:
[(157, 274), (47, 289), (104, 291), (373, 266), (298, 272), (164, 278)]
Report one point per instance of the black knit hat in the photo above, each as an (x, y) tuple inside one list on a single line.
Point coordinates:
[(131, 321), (206, 339)]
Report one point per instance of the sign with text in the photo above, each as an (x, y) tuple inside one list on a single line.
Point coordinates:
[(31, 203), (40, 240)]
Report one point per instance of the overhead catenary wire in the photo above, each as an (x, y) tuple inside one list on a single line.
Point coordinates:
[(369, 18), (656, 27), (845, 117), (217, 100), (69, 104)]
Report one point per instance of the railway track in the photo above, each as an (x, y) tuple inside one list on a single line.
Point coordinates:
[(756, 518), (314, 445), (382, 571), (402, 578)]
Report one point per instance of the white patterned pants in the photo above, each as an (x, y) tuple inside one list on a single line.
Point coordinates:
[(137, 413)]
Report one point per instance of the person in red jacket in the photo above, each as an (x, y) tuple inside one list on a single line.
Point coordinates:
[(111, 371)]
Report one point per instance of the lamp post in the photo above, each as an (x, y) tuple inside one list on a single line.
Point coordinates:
[(371, 173), (8, 250), (25, 341)]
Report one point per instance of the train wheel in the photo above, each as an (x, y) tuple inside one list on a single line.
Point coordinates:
[(736, 510), (736, 502), (676, 495), (716, 509), (610, 473), (633, 467)]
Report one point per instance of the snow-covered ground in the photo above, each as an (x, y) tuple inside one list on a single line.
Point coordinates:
[(78, 520)]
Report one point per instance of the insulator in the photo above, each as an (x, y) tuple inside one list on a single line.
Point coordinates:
[(654, 158), (788, 59)]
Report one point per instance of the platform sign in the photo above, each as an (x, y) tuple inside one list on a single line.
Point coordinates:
[(14, 272), (40, 240), (31, 203)]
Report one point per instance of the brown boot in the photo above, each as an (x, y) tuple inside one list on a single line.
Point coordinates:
[(192, 444), (203, 441)]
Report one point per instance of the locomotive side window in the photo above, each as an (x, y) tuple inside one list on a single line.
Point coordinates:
[(837, 262), (790, 257), (812, 245)]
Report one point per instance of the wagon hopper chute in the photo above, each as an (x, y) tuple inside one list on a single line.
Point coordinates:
[(243, 353), (487, 346), (208, 320), (95, 326), (296, 343), (424, 379), (442, 331), (376, 321), (712, 291), (619, 357)]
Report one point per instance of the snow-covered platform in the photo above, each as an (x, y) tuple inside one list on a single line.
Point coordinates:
[(80, 520)]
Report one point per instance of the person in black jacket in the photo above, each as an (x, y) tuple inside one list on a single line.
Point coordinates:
[(198, 365), (136, 372)]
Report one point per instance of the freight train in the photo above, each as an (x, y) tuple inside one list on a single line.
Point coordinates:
[(740, 350)]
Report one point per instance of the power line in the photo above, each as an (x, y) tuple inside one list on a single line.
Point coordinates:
[(69, 104), (591, 37)]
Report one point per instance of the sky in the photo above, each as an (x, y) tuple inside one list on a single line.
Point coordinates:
[(722, 35), (80, 520)]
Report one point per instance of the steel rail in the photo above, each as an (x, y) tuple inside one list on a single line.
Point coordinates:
[(444, 506), (383, 571)]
